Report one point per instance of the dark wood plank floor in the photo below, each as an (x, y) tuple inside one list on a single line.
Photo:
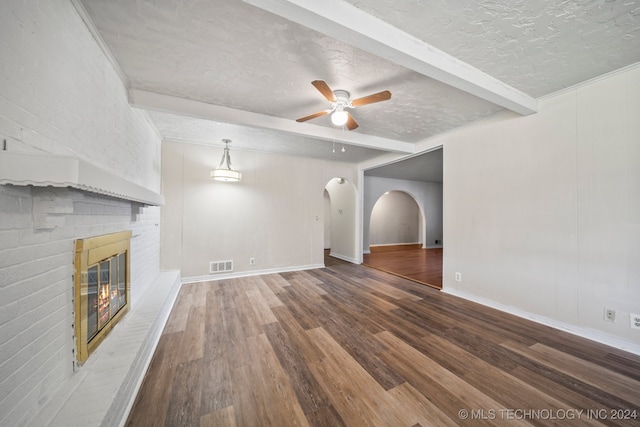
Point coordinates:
[(417, 264), (352, 346)]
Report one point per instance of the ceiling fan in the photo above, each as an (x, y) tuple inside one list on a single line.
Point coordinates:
[(340, 101)]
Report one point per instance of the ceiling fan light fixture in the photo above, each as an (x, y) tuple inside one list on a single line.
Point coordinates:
[(340, 100), (224, 172), (339, 117)]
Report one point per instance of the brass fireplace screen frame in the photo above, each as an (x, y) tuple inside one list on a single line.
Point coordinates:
[(101, 291)]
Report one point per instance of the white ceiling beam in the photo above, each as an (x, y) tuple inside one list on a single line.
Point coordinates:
[(343, 21), (202, 110)]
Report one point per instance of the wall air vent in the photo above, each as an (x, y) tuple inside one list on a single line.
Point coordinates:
[(220, 266)]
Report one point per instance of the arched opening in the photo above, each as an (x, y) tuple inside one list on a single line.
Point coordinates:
[(397, 240), (340, 219), (396, 220), (327, 221)]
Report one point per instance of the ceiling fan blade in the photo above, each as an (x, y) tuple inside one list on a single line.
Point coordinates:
[(324, 89), (376, 97), (351, 123), (313, 116)]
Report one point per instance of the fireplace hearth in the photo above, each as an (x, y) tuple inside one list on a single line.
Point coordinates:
[(101, 294)]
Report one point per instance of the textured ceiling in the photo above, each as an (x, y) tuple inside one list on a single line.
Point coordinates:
[(209, 70), (426, 167), (536, 46)]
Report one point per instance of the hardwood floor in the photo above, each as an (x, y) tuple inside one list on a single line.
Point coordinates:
[(348, 345), (417, 264)]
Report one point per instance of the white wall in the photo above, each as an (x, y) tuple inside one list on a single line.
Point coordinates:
[(428, 196), (395, 219), (542, 213), (275, 214), (60, 95)]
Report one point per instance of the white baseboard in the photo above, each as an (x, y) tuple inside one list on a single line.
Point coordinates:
[(232, 275), (377, 245), (587, 333), (344, 258), (368, 251)]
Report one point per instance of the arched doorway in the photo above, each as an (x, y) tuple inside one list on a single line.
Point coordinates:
[(327, 220), (340, 219), (395, 220), (398, 239)]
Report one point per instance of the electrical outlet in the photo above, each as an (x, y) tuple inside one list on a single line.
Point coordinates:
[(609, 315), (252, 261), (635, 321), (458, 277)]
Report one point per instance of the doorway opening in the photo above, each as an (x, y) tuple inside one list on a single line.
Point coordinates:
[(340, 220), (396, 223), (396, 243), (403, 218)]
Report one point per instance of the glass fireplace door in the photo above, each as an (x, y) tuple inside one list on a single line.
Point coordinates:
[(101, 288)]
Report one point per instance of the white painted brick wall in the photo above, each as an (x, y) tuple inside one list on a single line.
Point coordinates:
[(36, 286), (145, 246), (59, 94)]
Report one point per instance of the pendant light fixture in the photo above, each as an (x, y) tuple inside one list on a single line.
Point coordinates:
[(224, 172)]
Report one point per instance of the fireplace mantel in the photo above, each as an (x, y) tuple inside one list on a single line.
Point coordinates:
[(44, 170)]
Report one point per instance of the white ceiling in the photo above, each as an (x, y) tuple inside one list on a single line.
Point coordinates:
[(208, 70)]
